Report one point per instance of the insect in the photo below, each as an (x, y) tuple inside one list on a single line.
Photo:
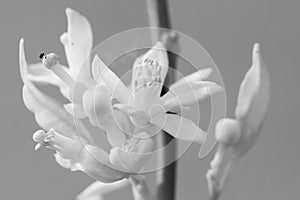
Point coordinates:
[(41, 56)]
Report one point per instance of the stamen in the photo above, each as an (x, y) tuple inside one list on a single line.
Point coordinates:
[(148, 72), (51, 61), (69, 147)]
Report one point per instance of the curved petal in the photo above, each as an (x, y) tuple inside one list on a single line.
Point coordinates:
[(78, 43), (192, 86), (102, 73), (159, 53), (196, 76), (114, 134), (51, 114), (48, 112), (75, 110), (39, 73), (170, 100), (134, 154), (254, 94), (98, 190), (62, 161), (180, 128), (87, 158), (95, 162)]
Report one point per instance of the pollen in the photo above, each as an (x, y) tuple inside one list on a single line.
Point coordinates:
[(147, 73), (49, 60)]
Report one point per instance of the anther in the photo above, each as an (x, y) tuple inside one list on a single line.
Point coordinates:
[(51, 61)]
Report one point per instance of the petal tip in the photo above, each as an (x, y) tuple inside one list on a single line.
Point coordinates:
[(70, 11), (256, 52), (22, 60), (160, 45)]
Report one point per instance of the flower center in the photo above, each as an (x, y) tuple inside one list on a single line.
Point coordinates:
[(147, 73), (147, 84)]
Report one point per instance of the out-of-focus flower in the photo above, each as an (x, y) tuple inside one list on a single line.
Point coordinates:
[(236, 136)]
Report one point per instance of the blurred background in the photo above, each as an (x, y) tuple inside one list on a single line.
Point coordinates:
[(226, 29)]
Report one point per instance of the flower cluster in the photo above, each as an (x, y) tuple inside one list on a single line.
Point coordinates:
[(128, 116)]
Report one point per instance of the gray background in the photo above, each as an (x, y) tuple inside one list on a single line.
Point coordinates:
[(227, 29)]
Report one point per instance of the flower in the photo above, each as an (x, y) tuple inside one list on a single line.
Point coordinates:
[(90, 88), (237, 136), (143, 103)]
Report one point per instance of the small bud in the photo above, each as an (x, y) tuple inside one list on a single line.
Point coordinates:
[(228, 131)]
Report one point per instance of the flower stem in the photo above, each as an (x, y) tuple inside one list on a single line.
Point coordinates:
[(158, 16)]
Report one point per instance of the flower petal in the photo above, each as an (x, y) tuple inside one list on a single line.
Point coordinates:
[(94, 162), (180, 128), (196, 76), (39, 73), (78, 44), (87, 158), (48, 112), (254, 94), (114, 134), (189, 97), (75, 110), (159, 53), (102, 73), (134, 154), (97, 190), (62, 161)]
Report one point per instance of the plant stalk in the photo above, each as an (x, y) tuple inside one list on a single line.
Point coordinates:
[(158, 15)]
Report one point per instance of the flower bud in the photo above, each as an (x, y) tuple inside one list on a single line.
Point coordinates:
[(228, 131)]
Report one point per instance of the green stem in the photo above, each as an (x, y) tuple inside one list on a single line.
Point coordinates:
[(158, 16)]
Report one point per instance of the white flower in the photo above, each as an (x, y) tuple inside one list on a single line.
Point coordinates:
[(90, 88), (236, 136)]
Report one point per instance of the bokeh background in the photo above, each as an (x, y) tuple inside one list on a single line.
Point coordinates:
[(227, 29)]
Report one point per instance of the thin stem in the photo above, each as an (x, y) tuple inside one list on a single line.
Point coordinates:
[(140, 189), (158, 16)]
